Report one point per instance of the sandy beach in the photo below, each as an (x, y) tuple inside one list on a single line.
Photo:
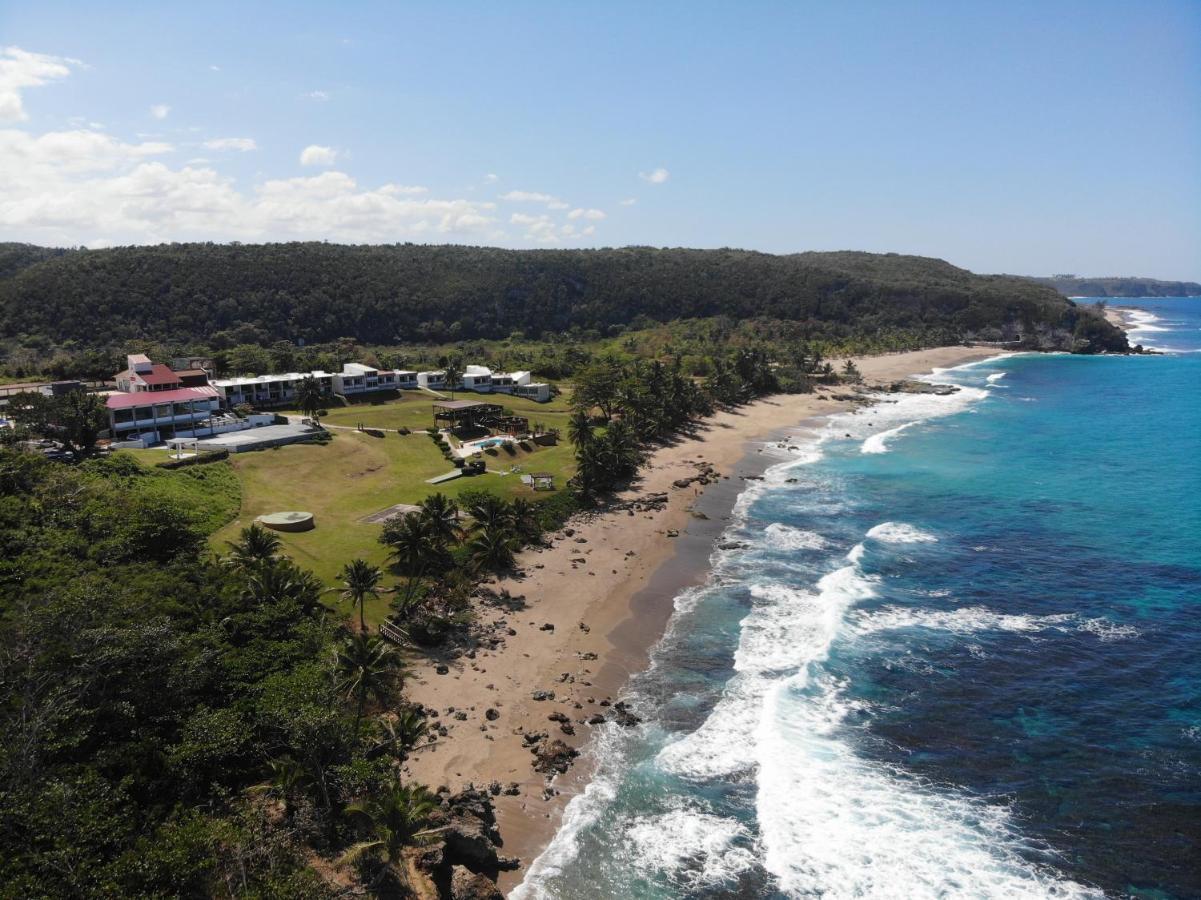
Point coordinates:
[(606, 586)]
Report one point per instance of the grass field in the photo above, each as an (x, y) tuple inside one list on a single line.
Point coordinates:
[(356, 475), (414, 410), (349, 478)]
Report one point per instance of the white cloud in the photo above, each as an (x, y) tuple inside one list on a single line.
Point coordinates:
[(214, 68), (527, 197), (656, 176), (82, 187), (629, 201), (551, 201), (594, 215), (491, 178), (160, 110), (242, 144), (316, 155), (318, 96), (21, 69), (589, 231)]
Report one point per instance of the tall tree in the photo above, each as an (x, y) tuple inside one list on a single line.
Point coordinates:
[(360, 580), (367, 666), (255, 544), (309, 397), (394, 820)]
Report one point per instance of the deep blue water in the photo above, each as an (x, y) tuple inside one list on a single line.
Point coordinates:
[(959, 656)]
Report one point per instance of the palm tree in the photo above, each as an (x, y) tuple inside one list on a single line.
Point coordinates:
[(288, 779), (395, 819), (398, 736), (254, 545), (441, 514), (360, 580), (452, 372), (491, 549), (308, 397), (274, 580), (414, 549), (367, 665), (579, 427), (489, 511), (524, 515)]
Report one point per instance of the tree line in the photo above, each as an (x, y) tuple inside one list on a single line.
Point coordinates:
[(225, 295)]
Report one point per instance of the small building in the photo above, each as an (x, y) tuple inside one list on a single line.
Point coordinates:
[(434, 380), (45, 388), (181, 363), (477, 378), (142, 375), (357, 378)]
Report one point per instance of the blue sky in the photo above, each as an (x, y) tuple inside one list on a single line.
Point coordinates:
[(1035, 138)]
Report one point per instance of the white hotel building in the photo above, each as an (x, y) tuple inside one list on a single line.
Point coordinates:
[(281, 390)]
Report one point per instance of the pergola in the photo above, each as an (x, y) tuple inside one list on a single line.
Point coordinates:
[(477, 414), (178, 447)]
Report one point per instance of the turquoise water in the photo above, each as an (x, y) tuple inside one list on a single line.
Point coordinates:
[(959, 656)]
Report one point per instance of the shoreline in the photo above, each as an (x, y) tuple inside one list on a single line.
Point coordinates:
[(607, 584)]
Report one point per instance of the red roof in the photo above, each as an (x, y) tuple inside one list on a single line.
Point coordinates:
[(149, 398), (159, 374)]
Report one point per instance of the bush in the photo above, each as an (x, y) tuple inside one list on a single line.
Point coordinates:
[(204, 456)]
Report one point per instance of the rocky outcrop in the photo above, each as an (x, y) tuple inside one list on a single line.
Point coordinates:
[(463, 861), (908, 386), (552, 756), (468, 885)]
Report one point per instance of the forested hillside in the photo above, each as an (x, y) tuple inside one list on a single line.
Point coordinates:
[(203, 293), (1071, 286)]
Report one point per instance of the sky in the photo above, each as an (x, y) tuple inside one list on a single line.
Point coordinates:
[(1034, 138)]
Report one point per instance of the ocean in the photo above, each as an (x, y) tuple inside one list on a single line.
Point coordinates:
[(957, 654)]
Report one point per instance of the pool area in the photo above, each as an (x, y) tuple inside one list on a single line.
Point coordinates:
[(471, 447)]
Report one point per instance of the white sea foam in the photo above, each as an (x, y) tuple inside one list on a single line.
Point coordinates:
[(995, 377), (875, 426), (878, 443), (900, 533), (779, 536), (1141, 320), (975, 619), (691, 846), (837, 826)]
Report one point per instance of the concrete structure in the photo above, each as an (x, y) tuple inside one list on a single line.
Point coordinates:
[(142, 375), (483, 380), (356, 378), (434, 380), (45, 388), (281, 390), (261, 438), (269, 390), (151, 416)]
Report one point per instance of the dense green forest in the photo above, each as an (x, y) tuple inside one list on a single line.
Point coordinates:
[(221, 295), (1074, 286)]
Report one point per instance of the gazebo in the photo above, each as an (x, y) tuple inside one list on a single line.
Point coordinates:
[(179, 447)]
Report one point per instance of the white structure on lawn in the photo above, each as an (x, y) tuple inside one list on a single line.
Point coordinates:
[(483, 380)]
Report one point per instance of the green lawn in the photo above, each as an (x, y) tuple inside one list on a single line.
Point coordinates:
[(356, 475), (414, 410)]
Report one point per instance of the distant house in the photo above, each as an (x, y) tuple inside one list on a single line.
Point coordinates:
[(434, 380), (181, 363), (45, 388), (143, 375), (356, 378)]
